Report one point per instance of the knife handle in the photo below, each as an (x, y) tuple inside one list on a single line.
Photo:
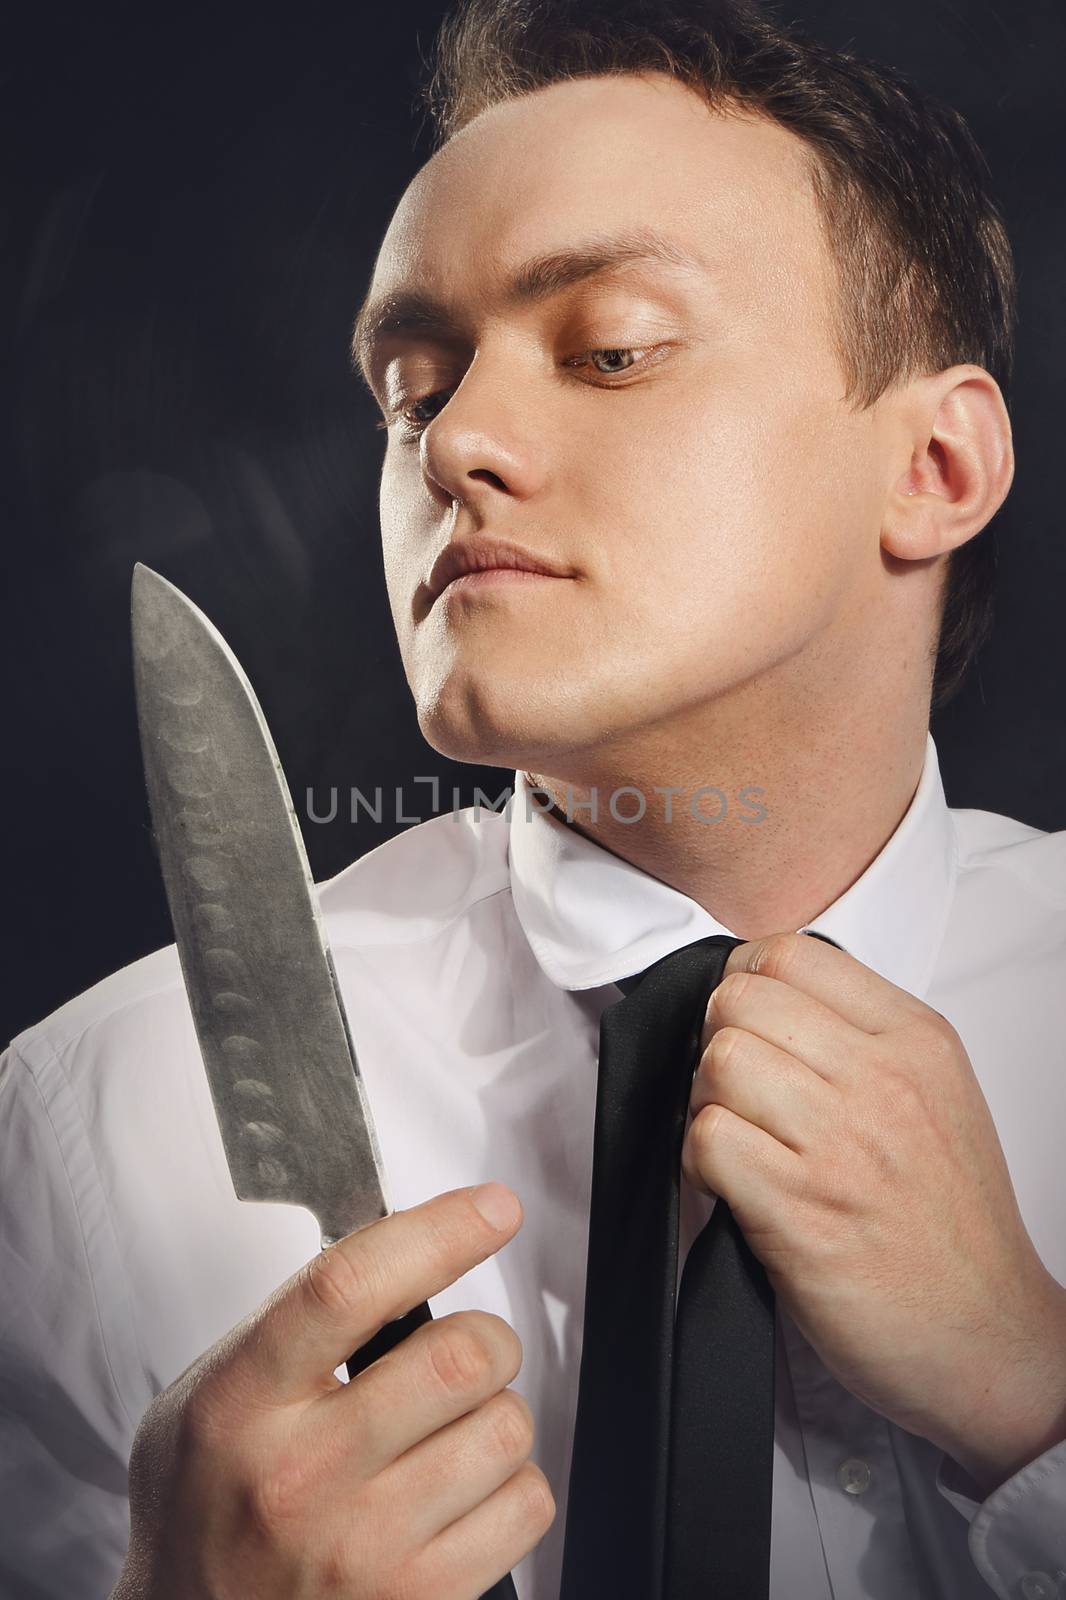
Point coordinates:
[(385, 1339), (388, 1336)]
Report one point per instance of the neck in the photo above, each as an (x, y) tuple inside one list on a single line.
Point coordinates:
[(774, 818)]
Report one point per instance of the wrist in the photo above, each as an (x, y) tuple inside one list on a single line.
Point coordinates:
[(1021, 1412), (989, 1466)]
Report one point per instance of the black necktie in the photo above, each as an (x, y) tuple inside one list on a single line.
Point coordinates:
[(670, 1481)]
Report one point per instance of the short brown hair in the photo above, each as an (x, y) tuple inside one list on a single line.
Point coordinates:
[(924, 265)]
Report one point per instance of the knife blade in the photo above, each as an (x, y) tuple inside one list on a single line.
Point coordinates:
[(271, 1026)]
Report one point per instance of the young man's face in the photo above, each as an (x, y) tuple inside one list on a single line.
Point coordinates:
[(714, 497)]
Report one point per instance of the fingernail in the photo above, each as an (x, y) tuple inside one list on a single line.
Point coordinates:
[(497, 1205)]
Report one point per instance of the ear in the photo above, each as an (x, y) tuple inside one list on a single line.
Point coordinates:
[(960, 462)]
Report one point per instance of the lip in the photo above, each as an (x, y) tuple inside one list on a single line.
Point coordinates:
[(463, 557)]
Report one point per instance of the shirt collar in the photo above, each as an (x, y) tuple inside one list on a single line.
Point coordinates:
[(592, 918)]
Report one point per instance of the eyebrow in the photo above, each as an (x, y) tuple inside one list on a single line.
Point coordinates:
[(404, 311)]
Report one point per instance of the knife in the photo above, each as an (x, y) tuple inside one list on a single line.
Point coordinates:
[(291, 1105)]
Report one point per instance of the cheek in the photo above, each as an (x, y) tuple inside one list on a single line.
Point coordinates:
[(731, 536), (765, 493), (404, 560)]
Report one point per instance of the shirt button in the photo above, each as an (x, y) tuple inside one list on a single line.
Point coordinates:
[(1037, 1586), (854, 1476)]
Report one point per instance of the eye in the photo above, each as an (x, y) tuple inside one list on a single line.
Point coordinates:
[(612, 355), (402, 412), (619, 359)]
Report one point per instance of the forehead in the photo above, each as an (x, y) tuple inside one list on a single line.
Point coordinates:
[(595, 156)]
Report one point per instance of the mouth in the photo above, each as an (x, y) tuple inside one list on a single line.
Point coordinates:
[(471, 565), (469, 582)]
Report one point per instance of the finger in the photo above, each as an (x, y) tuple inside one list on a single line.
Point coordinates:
[(467, 1558), (443, 1371), (766, 1086), (725, 1155), (855, 992), (335, 1303), (786, 1017), (453, 1471)]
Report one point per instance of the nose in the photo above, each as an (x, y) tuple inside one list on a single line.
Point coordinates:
[(484, 442)]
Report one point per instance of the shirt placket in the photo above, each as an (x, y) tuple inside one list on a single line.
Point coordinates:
[(854, 1480)]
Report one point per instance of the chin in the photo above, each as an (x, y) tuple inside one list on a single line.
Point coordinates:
[(494, 725), (479, 742)]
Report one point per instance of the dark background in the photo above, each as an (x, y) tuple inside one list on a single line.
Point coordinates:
[(190, 216)]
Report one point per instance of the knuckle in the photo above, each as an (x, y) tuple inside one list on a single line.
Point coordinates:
[(459, 1357), (536, 1503), (335, 1283), (723, 1049), (704, 1128), (779, 955), (512, 1425), (263, 1503), (729, 991), (502, 1342), (278, 1490), (942, 1040)]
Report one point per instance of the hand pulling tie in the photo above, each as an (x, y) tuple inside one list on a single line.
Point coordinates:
[(672, 1468)]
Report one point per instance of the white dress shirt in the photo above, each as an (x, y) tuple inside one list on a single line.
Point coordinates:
[(475, 953)]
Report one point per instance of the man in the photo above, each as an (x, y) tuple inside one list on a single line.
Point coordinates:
[(676, 316)]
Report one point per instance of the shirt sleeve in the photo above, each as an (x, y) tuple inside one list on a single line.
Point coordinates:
[(1018, 1534), (67, 1352)]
